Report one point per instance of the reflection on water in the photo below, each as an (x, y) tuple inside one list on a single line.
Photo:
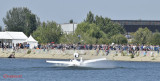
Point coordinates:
[(39, 70)]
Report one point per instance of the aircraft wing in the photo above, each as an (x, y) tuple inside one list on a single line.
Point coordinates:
[(59, 62), (94, 60)]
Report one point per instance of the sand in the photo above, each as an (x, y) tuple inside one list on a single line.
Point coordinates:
[(85, 55)]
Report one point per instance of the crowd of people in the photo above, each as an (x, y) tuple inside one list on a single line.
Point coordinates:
[(100, 47), (14, 46), (131, 48)]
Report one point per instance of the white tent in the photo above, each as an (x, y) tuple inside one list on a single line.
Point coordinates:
[(12, 38), (17, 37), (5, 35), (33, 43)]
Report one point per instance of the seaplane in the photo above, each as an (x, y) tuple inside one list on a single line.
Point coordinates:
[(75, 62)]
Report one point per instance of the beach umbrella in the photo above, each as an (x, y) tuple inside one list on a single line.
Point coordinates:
[(52, 42)]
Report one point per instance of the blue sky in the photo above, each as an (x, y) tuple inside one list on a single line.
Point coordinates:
[(61, 11)]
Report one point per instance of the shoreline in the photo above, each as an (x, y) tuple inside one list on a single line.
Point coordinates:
[(86, 54), (78, 58)]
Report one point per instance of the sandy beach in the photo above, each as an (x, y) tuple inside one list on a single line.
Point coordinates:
[(86, 54)]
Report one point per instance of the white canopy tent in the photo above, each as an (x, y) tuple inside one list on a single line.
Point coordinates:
[(5, 38), (32, 42), (5, 35), (17, 37), (12, 38)]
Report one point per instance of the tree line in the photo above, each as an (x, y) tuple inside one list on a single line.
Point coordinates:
[(96, 30), (93, 30)]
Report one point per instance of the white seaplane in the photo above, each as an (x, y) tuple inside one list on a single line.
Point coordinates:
[(76, 62)]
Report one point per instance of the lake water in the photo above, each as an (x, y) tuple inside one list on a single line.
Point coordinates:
[(39, 70)]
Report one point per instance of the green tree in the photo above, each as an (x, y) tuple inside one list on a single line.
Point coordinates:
[(104, 40), (94, 30), (90, 17), (119, 39), (155, 39), (90, 34), (91, 29), (82, 28), (105, 24), (86, 39), (71, 21), (73, 39), (108, 27), (142, 36), (21, 19), (69, 39), (50, 32)]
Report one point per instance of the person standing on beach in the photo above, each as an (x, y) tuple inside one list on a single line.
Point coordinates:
[(97, 49), (2, 46), (107, 50)]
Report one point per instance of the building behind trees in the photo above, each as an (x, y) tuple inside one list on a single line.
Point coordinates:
[(133, 25)]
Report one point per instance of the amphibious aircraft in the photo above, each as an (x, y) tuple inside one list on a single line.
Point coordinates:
[(75, 62)]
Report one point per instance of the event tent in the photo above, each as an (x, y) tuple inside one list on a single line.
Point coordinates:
[(17, 37), (32, 42), (12, 38)]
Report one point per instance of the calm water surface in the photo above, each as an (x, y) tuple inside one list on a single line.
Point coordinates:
[(39, 70)]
